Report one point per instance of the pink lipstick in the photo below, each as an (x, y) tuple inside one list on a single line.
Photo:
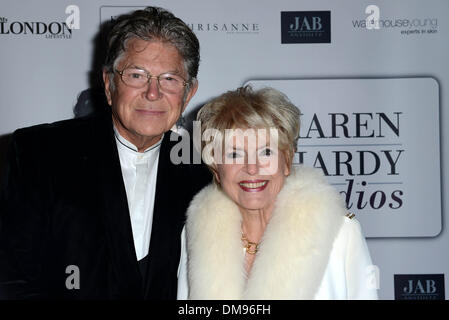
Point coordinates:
[(253, 185)]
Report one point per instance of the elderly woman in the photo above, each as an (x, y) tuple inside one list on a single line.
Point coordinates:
[(266, 229)]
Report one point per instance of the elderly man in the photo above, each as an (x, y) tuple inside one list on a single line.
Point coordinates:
[(93, 208)]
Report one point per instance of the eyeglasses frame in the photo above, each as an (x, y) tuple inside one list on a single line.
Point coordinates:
[(149, 77)]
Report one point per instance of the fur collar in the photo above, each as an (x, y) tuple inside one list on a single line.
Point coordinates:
[(293, 253)]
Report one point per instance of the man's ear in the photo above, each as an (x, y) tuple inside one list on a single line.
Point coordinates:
[(192, 90), (107, 86)]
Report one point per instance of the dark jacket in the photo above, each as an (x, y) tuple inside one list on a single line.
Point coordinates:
[(63, 203)]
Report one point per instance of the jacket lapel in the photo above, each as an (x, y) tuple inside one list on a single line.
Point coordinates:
[(168, 219), (126, 275)]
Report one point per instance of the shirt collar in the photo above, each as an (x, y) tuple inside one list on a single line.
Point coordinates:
[(130, 146)]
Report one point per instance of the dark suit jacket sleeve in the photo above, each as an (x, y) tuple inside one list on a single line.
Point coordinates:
[(22, 225)]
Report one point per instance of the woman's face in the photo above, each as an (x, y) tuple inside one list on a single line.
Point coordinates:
[(253, 169)]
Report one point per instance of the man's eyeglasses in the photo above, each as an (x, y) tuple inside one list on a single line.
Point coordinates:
[(138, 78)]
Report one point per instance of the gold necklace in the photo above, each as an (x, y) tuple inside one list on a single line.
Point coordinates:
[(250, 247)]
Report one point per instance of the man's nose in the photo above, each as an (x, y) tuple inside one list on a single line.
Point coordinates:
[(153, 91)]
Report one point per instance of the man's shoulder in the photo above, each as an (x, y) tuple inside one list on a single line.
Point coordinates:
[(185, 159), (56, 131), (61, 127)]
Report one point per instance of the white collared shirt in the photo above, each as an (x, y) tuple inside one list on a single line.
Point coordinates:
[(139, 171)]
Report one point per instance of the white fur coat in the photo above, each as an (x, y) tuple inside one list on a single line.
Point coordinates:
[(309, 249)]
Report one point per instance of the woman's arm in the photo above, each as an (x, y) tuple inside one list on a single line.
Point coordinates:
[(361, 275)]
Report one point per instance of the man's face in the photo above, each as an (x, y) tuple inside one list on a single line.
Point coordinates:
[(142, 115)]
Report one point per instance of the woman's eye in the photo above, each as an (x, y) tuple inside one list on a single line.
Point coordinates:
[(233, 155), (266, 152)]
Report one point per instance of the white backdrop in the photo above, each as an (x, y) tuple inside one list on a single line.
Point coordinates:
[(400, 70)]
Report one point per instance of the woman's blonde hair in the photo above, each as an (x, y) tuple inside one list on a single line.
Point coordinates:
[(246, 108)]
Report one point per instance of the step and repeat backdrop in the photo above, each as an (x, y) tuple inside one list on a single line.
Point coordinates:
[(371, 80)]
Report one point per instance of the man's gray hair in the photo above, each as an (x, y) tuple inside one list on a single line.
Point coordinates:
[(153, 24)]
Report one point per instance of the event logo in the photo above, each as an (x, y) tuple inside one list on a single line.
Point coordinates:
[(419, 287), (219, 27), (233, 28), (360, 162), (362, 134), (406, 25), (305, 27), (50, 30)]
